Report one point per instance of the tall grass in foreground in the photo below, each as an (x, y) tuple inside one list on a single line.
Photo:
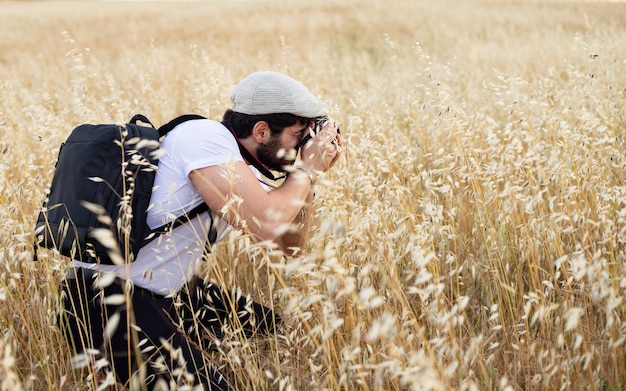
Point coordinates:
[(472, 238)]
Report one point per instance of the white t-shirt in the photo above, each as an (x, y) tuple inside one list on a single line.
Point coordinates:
[(165, 264)]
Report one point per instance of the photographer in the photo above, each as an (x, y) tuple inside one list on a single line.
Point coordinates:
[(223, 165)]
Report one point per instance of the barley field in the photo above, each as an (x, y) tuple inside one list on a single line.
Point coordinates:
[(473, 237)]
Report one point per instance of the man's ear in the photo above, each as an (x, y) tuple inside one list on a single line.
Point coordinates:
[(261, 132)]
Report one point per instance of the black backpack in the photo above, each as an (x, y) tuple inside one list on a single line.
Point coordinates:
[(103, 179)]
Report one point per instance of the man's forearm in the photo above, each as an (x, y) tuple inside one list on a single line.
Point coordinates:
[(297, 236)]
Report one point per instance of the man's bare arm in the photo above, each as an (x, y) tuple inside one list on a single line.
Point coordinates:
[(236, 194), (296, 238)]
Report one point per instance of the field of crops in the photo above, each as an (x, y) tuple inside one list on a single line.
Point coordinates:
[(473, 237)]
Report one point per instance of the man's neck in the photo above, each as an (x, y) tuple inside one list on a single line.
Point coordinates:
[(250, 145)]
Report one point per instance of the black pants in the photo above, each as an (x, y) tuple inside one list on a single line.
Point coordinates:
[(151, 329)]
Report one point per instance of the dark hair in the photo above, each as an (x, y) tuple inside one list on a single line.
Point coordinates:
[(242, 124)]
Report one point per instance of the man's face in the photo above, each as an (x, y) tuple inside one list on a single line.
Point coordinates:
[(279, 151)]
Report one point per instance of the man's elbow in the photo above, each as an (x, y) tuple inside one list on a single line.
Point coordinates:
[(285, 235)]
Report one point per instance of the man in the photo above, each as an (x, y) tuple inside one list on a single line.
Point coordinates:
[(222, 165)]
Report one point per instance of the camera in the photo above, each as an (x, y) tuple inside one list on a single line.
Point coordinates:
[(319, 123)]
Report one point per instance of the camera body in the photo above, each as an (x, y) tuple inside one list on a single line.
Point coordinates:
[(319, 123)]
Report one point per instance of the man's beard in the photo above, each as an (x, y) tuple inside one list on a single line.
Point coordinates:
[(268, 155)]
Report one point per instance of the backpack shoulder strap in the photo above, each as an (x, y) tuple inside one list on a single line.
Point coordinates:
[(203, 207), (142, 118), (164, 129)]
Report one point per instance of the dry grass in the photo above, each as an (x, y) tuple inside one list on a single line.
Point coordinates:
[(472, 238)]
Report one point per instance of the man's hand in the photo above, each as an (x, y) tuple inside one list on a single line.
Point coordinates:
[(323, 150)]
